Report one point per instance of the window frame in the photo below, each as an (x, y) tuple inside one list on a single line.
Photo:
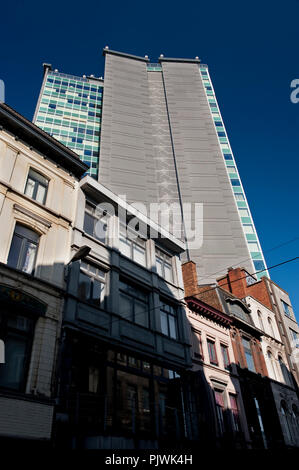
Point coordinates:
[(211, 341), (133, 297), (138, 241), (37, 183), (235, 413), (220, 410), (90, 211), (196, 342), (165, 259), (25, 241), (248, 351), (7, 331), (94, 277), (286, 308), (226, 363), (173, 316)]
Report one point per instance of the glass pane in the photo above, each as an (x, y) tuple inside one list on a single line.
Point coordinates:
[(29, 257), (100, 230), (26, 233), (34, 175), (126, 306), (219, 398), (164, 325), (19, 322), (12, 373), (98, 290), (168, 272), (14, 252), (29, 187), (249, 360), (248, 228), (93, 379), (172, 327), (139, 254), (159, 266), (141, 313), (125, 246), (41, 194), (84, 286), (91, 268), (88, 224)]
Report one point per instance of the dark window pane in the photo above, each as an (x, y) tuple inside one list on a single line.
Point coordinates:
[(14, 252), (98, 290), (88, 224), (141, 313), (164, 325), (12, 373), (84, 290), (126, 307)]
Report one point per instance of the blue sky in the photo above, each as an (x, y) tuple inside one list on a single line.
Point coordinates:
[(252, 52)]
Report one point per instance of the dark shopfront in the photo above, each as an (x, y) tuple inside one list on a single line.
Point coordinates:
[(112, 398)]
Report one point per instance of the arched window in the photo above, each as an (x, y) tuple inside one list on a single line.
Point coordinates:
[(260, 320), (271, 327), (272, 365), (23, 249)]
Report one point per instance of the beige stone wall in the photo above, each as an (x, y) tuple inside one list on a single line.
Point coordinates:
[(29, 414), (52, 221)]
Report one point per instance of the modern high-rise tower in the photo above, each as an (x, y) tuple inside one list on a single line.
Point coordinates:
[(162, 139), (69, 108)]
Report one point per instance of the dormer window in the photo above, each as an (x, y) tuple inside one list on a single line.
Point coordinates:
[(250, 279), (36, 186), (238, 309)]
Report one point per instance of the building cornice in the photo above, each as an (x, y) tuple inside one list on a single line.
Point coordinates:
[(180, 60), (123, 54), (208, 311)]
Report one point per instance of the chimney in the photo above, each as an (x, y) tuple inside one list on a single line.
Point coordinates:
[(190, 278)]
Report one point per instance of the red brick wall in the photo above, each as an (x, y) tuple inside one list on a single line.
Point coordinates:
[(235, 282), (190, 278), (205, 293)]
